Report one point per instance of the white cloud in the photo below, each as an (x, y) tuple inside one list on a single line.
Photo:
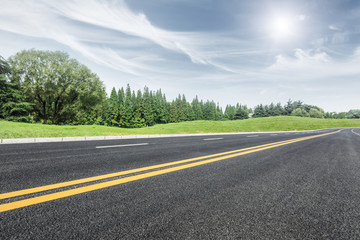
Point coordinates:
[(230, 66), (314, 65), (51, 20), (118, 16), (333, 27)]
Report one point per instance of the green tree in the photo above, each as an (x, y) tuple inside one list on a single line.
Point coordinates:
[(259, 111), (278, 110), (209, 110), (197, 109), (12, 102), (113, 117), (56, 85), (128, 108), (5, 87), (121, 95), (315, 113), (161, 108), (4, 66), (230, 112), (299, 112), (148, 107), (174, 116), (354, 113), (137, 120), (241, 113)]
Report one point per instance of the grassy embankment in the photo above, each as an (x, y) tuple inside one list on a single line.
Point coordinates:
[(26, 130)]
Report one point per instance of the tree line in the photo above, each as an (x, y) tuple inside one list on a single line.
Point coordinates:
[(52, 88)]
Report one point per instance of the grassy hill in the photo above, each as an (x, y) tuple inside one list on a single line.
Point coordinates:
[(286, 123)]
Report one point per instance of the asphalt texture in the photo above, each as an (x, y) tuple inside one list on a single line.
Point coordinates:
[(303, 190)]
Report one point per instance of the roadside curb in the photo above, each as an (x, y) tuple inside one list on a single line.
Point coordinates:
[(97, 138)]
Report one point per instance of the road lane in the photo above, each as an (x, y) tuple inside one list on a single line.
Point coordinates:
[(22, 164), (303, 190), (67, 193)]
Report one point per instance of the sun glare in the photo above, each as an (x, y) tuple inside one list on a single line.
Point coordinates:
[(281, 27)]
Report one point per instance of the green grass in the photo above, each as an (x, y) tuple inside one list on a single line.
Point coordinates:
[(26, 130)]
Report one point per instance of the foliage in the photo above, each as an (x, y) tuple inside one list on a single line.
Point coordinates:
[(354, 113), (300, 112), (297, 108), (61, 89), (12, 104)]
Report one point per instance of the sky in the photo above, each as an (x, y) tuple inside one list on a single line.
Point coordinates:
[(250, 52)]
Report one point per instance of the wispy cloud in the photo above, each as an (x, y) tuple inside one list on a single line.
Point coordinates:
[(118, 16), (57, 20), (310, 65)]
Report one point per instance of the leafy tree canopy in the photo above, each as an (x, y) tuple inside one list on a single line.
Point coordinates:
[(60, 88)]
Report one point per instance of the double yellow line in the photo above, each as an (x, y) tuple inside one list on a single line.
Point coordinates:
[(183, 164)]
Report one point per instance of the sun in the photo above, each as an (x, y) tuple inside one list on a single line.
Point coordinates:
[(281, 27)]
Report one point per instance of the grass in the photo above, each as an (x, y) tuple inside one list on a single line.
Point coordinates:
[(286, 123)]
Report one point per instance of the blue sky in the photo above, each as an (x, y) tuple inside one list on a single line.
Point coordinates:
[(247, 51)]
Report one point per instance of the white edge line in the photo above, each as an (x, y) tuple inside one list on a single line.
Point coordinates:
[(352, 130), (124, 145)]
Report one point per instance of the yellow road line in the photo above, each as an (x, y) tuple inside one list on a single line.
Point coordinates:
[(67, 193), (117, 174)]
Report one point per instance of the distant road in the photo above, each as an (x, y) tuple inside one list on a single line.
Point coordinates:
[(302, 185)]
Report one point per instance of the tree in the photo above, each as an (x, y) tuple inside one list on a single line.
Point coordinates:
[(148, 107), (174, 116), (278, 110), (5, 87), (161, 108), (354, 113), (59, 88), (4, 66), (315, 113), (209, 110), (128, 108), (113, 117), (299, 112), (259, 111), (288, 109), (197, 109), (12, 103), (121, 95), (230, 112), (137, 120), (242, 113)]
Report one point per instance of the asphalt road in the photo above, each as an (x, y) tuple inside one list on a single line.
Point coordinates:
[(307, 189)]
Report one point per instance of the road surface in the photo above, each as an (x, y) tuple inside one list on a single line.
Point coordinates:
[(302, 185)]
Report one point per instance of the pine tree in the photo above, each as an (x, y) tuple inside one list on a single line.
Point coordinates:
[(174, 116), (209, 110), (242, 113), (230, 112), (197, 109), (128, 108), (121, 96), (113, 109), (137, 120), (148, 107)]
